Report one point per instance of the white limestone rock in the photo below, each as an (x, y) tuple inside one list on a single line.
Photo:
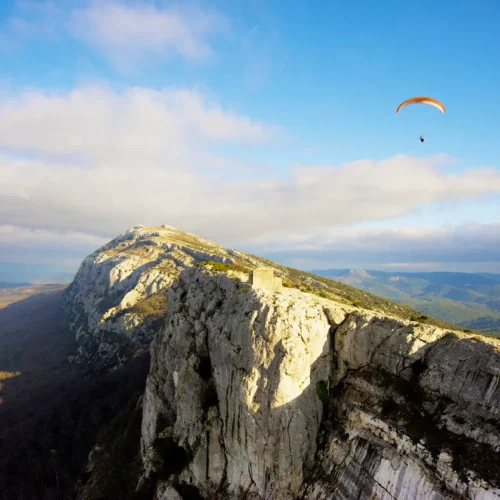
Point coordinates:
[(134, 266), (234, 375), (262, 394), (234, 380), (414, 414)]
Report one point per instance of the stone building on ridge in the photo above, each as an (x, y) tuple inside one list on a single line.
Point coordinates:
[(263, 277)]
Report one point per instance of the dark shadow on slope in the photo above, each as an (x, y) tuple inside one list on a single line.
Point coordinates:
[(52, 411), (34, 342)]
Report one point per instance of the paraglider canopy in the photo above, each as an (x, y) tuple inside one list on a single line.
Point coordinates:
[(422, 100)]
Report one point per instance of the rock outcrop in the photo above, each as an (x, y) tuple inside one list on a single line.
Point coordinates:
[(306, 389), (260, 394), (110, 300), (117, 299), (231, 402), (413, 413)]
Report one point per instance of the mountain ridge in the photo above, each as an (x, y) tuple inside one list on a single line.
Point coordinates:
[(291, 392), (110, 301), (193, 379), (471, 299)]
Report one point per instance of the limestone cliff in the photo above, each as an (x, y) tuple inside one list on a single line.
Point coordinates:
[(117, 295), (306, 390), (282, 394), (413, 412), (231, 393)]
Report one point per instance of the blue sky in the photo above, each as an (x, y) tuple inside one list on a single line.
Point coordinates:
[(267, 107)]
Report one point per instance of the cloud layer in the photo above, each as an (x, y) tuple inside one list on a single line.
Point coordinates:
[(142, 156), (467, 247), (131, 32)]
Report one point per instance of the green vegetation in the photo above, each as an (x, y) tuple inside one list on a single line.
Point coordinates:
[(421, 318), (221, 267), (322, 392), (340, 292), (466, 299), (447, 309), (152, 307)]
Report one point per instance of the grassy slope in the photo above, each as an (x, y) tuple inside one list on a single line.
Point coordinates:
[(469, 300)]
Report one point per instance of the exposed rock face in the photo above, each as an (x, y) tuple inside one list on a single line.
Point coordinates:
[(118, 297), (104, 300), (264, 394), (413, 414), (232, 388)]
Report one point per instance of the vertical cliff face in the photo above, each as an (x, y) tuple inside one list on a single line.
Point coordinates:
[(260, 394), (413, 413), (118, 297), (231, 402)]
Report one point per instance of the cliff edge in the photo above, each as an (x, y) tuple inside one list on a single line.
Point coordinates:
[(282, 394), (281, 384)]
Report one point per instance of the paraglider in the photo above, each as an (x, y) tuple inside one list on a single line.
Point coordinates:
[(422, 100)]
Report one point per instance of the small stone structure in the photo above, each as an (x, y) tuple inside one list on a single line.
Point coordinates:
[(263, 277)]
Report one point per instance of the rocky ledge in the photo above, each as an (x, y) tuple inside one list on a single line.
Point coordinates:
[(282, 394)]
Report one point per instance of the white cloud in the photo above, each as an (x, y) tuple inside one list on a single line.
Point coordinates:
[(102, 161), (469, 247), (108, 196), (140, 123), (63, 249), (22, 237), (130, 32)]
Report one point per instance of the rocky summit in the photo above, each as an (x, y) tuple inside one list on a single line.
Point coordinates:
[(117, 295), (287, 386)]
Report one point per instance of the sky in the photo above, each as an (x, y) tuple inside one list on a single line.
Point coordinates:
[(266, 126)]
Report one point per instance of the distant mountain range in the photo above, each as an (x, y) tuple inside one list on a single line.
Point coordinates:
[(471, 300)]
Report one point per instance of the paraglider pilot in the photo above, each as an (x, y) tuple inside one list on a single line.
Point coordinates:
[(421, 138)]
